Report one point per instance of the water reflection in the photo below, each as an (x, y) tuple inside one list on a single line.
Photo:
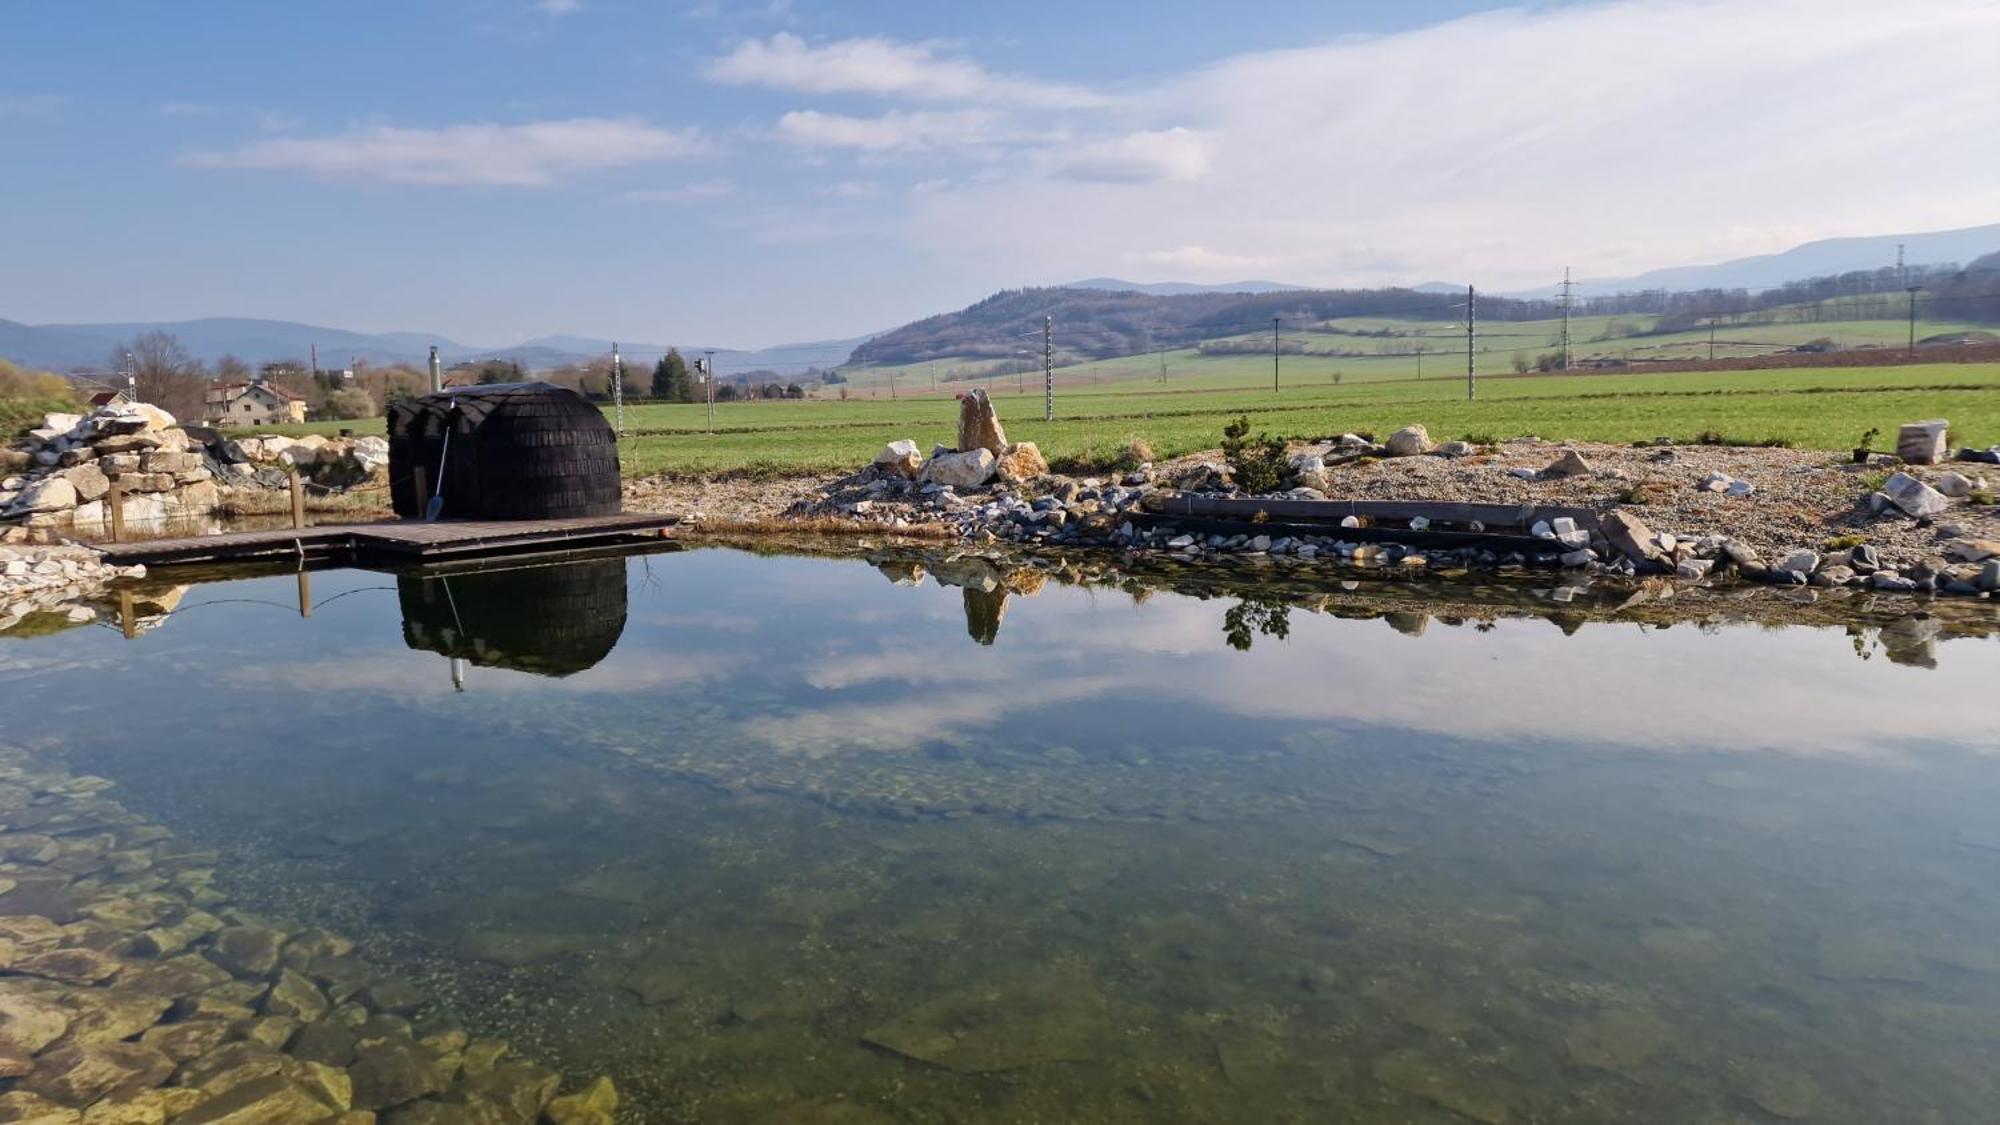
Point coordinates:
[(549, 620), (806, 840)]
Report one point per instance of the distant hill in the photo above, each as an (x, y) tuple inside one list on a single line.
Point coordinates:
[(1100, 323), (1177, 288), (65, 347), (1824, 258)]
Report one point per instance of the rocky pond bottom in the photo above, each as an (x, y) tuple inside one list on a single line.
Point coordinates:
[(912, 838)]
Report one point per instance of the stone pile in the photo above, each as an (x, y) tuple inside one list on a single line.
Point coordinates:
[(133, 992), (982, 454), (39, 579), (60, 475)]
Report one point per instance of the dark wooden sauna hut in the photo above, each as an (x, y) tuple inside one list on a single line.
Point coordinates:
[(548, 620), (514, 451)]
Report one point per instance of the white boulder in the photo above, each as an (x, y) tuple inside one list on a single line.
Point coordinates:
[(1409, 441), (1913, 496), (970, 469)]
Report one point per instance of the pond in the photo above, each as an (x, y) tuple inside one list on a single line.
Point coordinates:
[(909, 838)]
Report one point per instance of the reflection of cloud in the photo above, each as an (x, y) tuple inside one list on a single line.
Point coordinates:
[(1798, 691), (405, 679), (714, 621)]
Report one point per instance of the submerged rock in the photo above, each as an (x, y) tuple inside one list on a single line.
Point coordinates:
[(1002, 1026), (1476, 1096)]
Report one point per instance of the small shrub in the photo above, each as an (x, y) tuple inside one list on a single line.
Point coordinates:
[(1874, 481), (1981, 496), (1257, 463), (1868, 439), (1643, 492), (1480, 439), (1138, 453), (1843, 542)]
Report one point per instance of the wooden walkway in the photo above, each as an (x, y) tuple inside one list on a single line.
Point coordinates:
[(394, 541)]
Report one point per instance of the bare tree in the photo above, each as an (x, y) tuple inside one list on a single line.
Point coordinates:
[(230, 369), (168, 375)]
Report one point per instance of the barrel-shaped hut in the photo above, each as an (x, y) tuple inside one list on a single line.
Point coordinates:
[(512, 451)]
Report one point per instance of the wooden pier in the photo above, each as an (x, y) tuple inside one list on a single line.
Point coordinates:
[(395, 541)]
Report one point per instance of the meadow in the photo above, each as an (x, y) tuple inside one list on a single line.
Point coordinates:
[(1817, 408)]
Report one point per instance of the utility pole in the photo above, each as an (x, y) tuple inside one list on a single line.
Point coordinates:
[(1471, 322), (1162, 350), (1566, 307), (708, 373), (1420, 363), (1711, 339), (1048, 369), (618, 391), (1274, 355), (892, 384), (933, 375), (1913, 321), (1902, 274)]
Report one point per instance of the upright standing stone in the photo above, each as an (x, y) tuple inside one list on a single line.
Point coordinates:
[(978, 425), (1922, 443)]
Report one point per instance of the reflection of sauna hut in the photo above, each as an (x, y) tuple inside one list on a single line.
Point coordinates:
[(548, 620), (509, 452)]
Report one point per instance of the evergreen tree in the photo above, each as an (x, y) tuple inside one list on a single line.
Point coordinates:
[(670, 378)]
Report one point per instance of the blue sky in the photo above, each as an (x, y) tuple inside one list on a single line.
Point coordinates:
[(745, 174)]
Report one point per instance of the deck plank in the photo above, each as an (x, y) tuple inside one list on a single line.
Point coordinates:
[(404, 539)]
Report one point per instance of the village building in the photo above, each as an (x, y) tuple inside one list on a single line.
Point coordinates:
[(109, 398), (254, 403)]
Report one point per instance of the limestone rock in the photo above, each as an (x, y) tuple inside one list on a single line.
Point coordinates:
[(1409, 441), (1570, 464), (187, 1040), (110, 1014), (512, 1092), (1630, 536), (1958, 486), (594, 1105), (250, 951), (270, 1100), (1454, 1088), (961, 470), (1455, 449), (71, 966), (1922, 443), (1021, 461), (78, 1076), (49, 494), (22, 1108), (1913, 496), (1001, 1027), (395, 1071), (978, 425), (295, 996), (31, 1018), (900, 459)]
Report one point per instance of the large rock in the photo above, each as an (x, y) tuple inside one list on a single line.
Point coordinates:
[(1409, 441), (1958, 486), (596, 1104), (162, 461), (50, 494), (61, 423), (393, 1071), (1570, 464), (1922, 443), (899, 459), (1630, 536), (89, 481), (1913, 496), (78, 1076), (978, 425), (962, 470), (271, 1100), (1021, 461)]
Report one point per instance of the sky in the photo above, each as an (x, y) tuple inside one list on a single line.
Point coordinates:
[(745, 174)]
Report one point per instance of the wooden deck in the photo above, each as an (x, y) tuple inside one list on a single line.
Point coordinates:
[(394, 541)]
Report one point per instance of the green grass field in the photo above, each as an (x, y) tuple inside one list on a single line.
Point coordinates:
[(1820, 408)]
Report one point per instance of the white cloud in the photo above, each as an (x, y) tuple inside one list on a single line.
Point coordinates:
[(1144, 157), (685, 193), (31, 105), (558, 7), (885, 68), (894, 131), (852, 189), (530, 155), (1436, 153), (1201, 259)]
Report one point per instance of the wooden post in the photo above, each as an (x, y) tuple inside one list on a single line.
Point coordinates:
[(128, 621), (305, 594), (298, 499), (115, 500), (423, 494)]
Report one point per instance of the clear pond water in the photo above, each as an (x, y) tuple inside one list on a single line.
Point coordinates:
[(798, 839)]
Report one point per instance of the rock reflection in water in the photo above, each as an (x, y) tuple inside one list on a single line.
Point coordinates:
[(552, 620)]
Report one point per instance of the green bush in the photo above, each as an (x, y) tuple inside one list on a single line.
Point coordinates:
[(1257, 464)]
